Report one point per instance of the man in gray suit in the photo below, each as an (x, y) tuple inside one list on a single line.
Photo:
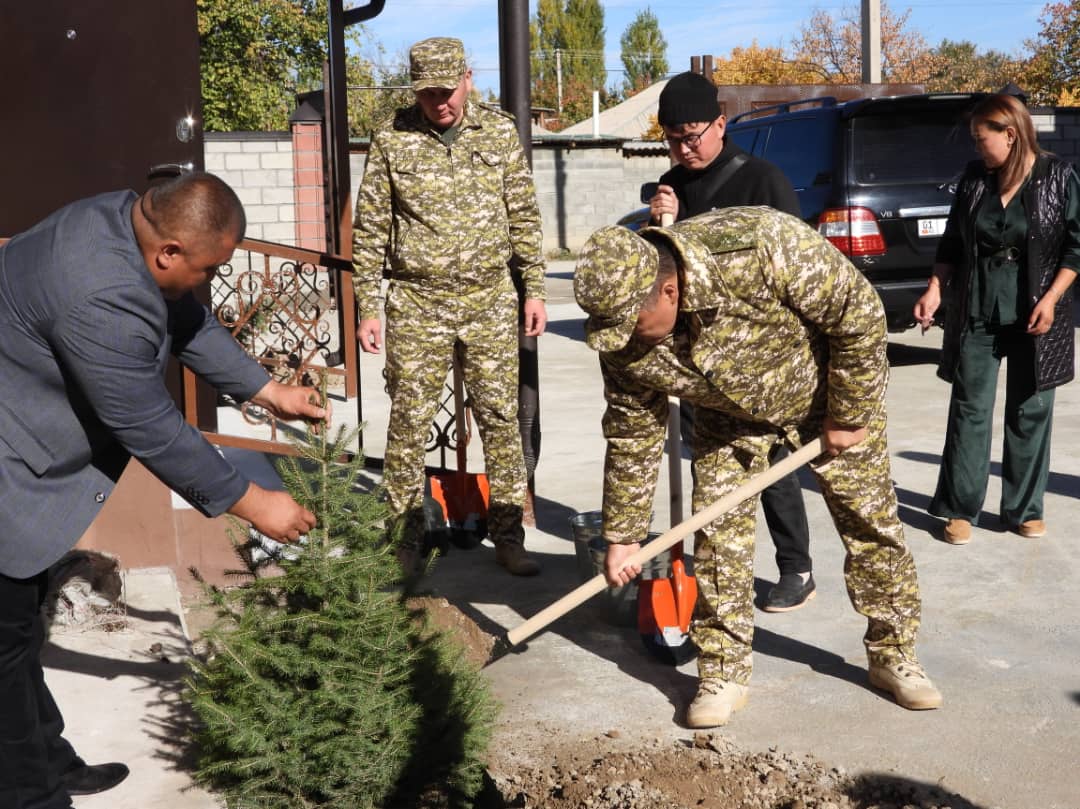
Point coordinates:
[(93, 300)]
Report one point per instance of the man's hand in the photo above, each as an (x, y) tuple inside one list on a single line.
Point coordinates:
[(288, 402), (369, 334), (535, 317), (664, 202), (616, 571), (273, 514), (838, 437)]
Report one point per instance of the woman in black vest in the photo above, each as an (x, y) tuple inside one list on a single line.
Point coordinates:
[(1010, 253)]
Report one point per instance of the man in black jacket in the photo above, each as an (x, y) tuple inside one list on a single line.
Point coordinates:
[(713, 172)]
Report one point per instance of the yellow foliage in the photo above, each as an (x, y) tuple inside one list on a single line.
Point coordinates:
[(760, 65), (1069, 97)]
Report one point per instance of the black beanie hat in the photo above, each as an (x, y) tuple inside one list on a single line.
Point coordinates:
[(688, 98)]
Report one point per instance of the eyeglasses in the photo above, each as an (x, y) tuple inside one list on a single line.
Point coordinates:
[(689, 141)]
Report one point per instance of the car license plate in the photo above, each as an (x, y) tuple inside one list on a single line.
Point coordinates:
[(931, 227)]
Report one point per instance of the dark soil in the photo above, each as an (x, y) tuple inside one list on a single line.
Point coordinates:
[(702, 771)]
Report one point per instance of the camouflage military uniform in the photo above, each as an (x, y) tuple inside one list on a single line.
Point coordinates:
[(447, 217), (775, 329)]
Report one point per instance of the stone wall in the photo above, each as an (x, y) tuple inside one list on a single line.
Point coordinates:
[(580, 190), (259, 166), (1059, 131)]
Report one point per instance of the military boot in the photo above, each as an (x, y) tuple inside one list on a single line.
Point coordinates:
[(715, 702), (908, 683), (512, 556)]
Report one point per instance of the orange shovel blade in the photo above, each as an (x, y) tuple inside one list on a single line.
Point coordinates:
[(463, 495), (665, 606)]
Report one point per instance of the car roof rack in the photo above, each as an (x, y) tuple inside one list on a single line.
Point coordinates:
[(821, 101)]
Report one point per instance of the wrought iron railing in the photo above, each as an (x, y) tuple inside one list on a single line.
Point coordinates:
[(293, 310)]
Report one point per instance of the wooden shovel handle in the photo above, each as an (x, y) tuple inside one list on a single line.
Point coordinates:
[(657, 546), (462, 443)]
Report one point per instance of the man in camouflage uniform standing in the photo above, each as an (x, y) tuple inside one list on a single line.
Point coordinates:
[(447, 198), (774, 337)]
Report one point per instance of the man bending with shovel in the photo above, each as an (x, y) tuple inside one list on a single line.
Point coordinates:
[(773, 336)]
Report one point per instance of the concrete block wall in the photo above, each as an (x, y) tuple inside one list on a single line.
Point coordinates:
[(259, 167), (1058, 131), (581, 190), (578, 190)]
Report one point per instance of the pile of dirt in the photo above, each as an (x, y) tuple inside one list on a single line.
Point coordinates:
[(703, 771), (446, 618), (706, 771)]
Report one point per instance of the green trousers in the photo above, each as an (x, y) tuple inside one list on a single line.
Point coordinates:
[(965, 462)]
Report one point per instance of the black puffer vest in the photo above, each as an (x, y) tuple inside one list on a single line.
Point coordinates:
[(1044, 202)]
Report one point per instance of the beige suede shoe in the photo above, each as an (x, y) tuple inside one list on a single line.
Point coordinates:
[(908, 684), (715, 702), (958, 532), (1032, 529)]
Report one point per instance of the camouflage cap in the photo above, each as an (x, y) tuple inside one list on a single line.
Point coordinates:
[(615, 273), (437, 62)]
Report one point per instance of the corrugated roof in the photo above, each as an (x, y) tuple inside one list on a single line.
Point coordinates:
[(628, 120)]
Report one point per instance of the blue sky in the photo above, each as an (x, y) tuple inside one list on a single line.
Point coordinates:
[(702, 27)]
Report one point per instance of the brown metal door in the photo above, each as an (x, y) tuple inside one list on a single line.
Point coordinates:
[(95, 95)]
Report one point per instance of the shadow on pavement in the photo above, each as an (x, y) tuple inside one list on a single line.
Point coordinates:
[(901, 354), (880, 789), (467, 577), (570, 328), (1057, 482), (160, 671)]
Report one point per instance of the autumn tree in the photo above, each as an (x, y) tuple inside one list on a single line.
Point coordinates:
[(377, 86), (761, 65), (255, 58), (1052, 74), (568, 55), (960, 68), (644, 52), (831, 47)]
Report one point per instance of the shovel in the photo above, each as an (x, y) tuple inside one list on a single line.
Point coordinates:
[(597, 583), (463, 496), (666, 605)]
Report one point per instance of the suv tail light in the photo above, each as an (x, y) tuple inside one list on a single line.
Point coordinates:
[(854, 231)]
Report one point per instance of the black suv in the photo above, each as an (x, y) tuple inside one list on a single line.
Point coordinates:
[(876, 176)]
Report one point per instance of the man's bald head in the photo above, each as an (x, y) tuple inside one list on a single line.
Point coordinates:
[(194, 206)]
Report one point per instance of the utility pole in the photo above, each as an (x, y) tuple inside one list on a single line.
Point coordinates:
[(871, 41), (558, 80)]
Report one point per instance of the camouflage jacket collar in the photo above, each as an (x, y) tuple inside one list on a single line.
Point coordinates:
[(704, 264), (413, 119)]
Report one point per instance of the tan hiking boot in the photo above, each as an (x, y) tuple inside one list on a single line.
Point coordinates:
[(715, 702), (908, 684), (958, 532), (1032, 529), (513, 557)]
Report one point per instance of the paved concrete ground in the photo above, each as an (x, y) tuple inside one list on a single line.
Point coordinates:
[(1000, 636)]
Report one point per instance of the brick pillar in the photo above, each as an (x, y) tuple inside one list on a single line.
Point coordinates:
[(309, 185)]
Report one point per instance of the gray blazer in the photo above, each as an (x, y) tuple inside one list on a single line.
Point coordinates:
[(85, 336)]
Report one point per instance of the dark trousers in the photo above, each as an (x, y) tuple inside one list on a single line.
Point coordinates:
[(785, 514), (965, 461), (785, 511), (33, 752)]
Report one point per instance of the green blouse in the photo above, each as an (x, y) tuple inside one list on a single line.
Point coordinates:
[(998, 283)]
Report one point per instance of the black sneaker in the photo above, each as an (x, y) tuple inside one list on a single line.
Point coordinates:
[(790, 593)]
